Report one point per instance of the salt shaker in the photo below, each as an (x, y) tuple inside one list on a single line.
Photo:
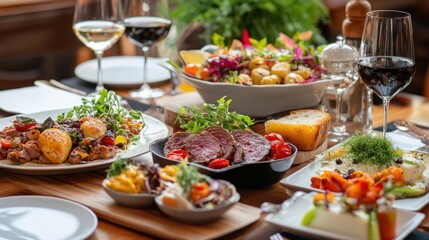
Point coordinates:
[(339, 61)]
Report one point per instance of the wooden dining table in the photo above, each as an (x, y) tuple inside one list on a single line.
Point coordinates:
[(406, 106)]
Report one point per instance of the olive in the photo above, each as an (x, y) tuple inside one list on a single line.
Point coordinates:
[(258, 74)]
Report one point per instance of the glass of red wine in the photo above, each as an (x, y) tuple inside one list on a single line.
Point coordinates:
[(144, 29), (386, 62)]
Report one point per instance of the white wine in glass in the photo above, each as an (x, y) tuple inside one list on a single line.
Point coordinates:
[(98, 24)]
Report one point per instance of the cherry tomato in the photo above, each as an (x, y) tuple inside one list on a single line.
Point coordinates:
[(192, 69), (21, 127), (274, 137), (219, 163), (205, 74), (108, 141), (177, 155), (5, 144), (280, 150)]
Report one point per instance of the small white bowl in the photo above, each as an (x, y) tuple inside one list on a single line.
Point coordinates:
[(197, 216), (134, 200)]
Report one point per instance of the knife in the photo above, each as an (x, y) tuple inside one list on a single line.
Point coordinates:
[(59, 85)]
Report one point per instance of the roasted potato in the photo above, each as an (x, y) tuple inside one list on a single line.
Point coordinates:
[(258, 62), (272, 79), (56, 145), (293, 78), (244, 79), (93, 127), (281, 69), (258, 74), (305, 72)]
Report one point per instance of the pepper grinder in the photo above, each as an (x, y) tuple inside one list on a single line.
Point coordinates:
[(360, 97)]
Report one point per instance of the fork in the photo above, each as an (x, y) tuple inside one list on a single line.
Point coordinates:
[(412, 129)]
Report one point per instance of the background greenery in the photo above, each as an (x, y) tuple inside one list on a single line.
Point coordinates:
[(262, 18)]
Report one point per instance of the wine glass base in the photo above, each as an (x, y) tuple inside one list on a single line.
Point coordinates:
[(147, 93)]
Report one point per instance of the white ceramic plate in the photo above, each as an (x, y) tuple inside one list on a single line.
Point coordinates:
[(126, 71), (47, 218), (155, 130), (290, 218), (300, 180)]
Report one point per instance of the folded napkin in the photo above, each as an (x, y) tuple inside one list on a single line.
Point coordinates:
[(404, 141), (37, 99)]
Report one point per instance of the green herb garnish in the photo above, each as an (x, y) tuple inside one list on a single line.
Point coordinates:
[(187, 176), (106, 106), (195, 119), (117, 167), (367, 149)]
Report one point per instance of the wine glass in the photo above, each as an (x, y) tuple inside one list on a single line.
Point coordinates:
[(386, 63), (98, 24), (144, 29)]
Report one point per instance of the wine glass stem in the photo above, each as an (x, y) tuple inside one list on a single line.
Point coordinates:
[(145, 78), (386, 102), (100, 86)]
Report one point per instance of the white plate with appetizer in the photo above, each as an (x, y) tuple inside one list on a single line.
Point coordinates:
[(74, 144), (48, 218), (334, 169), (335, 226), (125, 71)]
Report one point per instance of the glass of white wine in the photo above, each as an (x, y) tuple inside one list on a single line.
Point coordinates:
[(99, 25)]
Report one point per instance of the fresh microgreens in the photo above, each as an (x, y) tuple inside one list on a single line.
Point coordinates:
[(259, 44), (375, 150), (106, 107), (117, 167), (218, 40), (195, 119), (187, 176)]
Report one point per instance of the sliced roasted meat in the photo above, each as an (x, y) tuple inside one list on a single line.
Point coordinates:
[(255, 147), (238, 153), (19, 156), (203, 147), (176, 141), (10, 131), (225, 138), (33, 149), (77, 155), (101, 152)]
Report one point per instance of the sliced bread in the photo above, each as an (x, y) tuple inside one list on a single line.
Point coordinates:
[(306, 129)]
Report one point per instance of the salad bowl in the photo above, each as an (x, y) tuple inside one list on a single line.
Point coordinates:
[(136, 200), (259, 100), (197, 215)]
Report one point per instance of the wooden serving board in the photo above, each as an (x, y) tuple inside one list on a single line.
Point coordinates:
[(85, 188)]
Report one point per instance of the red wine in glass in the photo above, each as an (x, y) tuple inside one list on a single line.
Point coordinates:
[(386, 75), (146, 31)]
